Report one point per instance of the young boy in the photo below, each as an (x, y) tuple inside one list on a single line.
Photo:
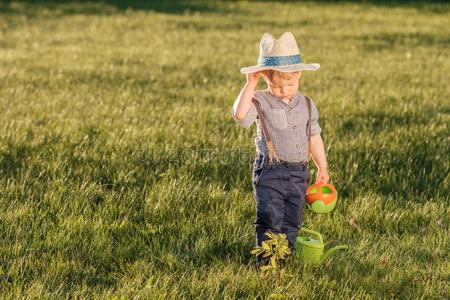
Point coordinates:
[(280, 184)]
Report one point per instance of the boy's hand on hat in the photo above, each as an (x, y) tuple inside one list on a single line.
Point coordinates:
[(252, 78)]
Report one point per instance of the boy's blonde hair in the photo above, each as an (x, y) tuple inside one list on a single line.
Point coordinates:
[(270, 74)]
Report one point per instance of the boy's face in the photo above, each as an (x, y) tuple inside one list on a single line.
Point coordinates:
[(283, 88)]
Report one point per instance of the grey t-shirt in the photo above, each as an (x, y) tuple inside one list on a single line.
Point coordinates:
[(286, 124)]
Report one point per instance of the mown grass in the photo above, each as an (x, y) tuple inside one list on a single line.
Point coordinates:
[(122, 172)]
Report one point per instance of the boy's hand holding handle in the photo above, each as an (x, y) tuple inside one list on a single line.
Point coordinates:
[(322, 176)]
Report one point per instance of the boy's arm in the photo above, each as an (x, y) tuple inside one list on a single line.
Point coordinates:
[(317, 147), (318, 155), (318, 152), (244, 110)]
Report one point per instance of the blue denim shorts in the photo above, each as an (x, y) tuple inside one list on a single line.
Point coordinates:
[(279, 191)]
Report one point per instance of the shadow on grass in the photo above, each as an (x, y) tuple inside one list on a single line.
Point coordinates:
[(412, 171), (12, 159), (202, 6), (407, 287), (433, 6), (223, 251), (379, 121), (67, 7)]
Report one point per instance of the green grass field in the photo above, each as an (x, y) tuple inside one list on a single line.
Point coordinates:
[(123, 174)]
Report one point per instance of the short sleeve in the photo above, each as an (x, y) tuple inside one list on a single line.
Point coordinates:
[(249, 118), (315, 127)]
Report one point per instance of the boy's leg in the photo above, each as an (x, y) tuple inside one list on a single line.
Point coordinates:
[(269, 195), (269, 212), (294, 205)]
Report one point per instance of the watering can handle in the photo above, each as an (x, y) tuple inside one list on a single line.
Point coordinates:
[(313, 233)]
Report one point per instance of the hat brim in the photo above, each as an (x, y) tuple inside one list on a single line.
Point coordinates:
[(285, 68)]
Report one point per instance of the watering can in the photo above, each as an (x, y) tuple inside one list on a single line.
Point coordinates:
[(321, 198), (312, 250)]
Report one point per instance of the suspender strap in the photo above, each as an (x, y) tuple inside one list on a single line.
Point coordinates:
[(308, 128), (272, 153)]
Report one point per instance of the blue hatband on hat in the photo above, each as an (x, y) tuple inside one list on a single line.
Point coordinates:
[(279, 60)]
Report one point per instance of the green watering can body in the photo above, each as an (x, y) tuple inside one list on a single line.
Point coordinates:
[(312, 250)]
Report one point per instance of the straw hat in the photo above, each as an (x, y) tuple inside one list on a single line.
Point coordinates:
[(280, 54)]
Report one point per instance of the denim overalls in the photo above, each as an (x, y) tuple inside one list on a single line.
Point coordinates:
[(279, 190)]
